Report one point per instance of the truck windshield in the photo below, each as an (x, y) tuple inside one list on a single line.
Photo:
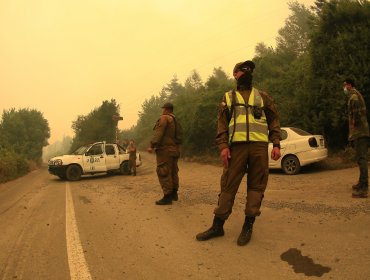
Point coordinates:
[(81, 150)]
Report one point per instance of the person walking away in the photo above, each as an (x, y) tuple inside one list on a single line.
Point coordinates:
[(125, 144), (358, 135), (247, 120), (132, 157), (167, 151)]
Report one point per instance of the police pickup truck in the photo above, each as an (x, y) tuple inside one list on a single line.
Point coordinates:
[(99, 157)]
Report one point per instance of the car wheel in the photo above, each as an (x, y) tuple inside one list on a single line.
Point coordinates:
[(73, 173), (124, 168), (291, 165)]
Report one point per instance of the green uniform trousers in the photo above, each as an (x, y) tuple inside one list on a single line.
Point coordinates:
[(251, 158), (167, 170), (361, 146), (132, 164)]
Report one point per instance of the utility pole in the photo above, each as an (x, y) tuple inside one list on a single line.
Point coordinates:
[(117, 118)]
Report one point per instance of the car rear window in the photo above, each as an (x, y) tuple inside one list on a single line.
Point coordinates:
[(300, 131)]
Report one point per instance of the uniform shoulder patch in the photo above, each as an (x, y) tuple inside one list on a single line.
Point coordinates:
[(354, 97)]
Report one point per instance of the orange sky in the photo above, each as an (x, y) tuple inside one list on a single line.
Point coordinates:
[(65, 57)]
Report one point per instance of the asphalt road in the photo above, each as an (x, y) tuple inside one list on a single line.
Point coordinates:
[(108, 227)]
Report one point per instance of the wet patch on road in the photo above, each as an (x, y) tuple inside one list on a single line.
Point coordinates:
[(84, 199), (303, 264)]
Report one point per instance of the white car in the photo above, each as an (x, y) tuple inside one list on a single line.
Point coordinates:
[(298, 148)]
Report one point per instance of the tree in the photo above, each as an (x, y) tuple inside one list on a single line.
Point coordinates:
[(194, 82), (25, 131), (316, 49), (202, 128), (218, 81), (293, 39), (340, 48), (284, 72), (195, 107), (172, 89), (98, 125), (151, 109)]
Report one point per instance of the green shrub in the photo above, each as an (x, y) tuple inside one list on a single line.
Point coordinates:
[(12, 165)]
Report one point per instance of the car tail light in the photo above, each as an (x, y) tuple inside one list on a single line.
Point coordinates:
[(312, 142), (322, 142)]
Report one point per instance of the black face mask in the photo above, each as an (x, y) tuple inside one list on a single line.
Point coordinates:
[(245, 81)]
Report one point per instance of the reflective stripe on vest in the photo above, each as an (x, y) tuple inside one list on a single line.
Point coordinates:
[(251, 129)]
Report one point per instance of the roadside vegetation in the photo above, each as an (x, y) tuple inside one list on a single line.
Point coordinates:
[(316, 49), (23, 134), (58, 148)]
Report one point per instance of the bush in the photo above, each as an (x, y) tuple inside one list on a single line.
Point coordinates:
[(12, 165), (345, 158)]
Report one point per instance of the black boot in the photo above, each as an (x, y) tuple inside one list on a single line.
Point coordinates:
[(356, 186), (246, 234), (166, 200), (217, 229), (175, 196)]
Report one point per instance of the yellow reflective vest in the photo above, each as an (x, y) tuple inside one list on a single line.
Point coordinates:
[(243, 125)]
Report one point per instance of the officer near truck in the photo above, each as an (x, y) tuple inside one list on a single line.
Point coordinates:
[(247, 120), (131, 149), (167, 150)]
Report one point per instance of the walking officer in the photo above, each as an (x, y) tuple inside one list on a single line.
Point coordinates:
[(132, 156), (247, 120), (167, 154)]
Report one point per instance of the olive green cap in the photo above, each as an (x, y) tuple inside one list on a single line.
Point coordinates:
[(244, 66)]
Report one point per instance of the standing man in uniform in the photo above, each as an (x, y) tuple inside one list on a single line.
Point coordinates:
[(132, 157), (359, 135), (167, 153), (247, 120), (125, 144)]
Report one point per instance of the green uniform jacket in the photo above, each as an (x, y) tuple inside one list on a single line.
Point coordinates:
[(357, 116), (164, 134)]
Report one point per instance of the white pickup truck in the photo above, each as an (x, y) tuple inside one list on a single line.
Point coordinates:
[(99, 157)]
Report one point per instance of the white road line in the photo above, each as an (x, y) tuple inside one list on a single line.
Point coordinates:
[(78, 268)]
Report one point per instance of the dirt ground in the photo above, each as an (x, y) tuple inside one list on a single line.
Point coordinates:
[(310, 227)]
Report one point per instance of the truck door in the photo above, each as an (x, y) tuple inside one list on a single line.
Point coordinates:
[(94, 159), (112, 159)]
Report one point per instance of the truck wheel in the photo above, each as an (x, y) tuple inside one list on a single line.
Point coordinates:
[(73, 173), (62, 177), (291, 165), (123, 169)]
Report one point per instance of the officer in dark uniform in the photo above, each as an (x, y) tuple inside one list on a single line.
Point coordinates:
[(247, 121), (132, 157), (358, 135), (167, 153)]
